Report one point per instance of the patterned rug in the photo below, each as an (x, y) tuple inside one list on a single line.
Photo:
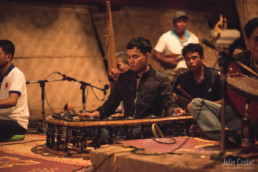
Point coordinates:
[(31, 154), (189, 145)]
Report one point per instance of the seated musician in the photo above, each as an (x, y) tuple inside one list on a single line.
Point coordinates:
[(122, 66), (238, 46), (207, 113), (202, 84), (200, 81), (14, 112), (143, 90), (250, 57)]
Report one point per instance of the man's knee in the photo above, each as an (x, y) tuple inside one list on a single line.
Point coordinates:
[(195, 104), (197, 101)]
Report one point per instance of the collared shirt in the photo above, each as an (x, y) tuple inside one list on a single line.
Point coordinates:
[(187, 36), (151, 97), (13, 81), (208, 88), (170, 43)]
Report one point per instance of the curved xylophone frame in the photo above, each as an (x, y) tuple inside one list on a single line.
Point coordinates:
[(77, 129)]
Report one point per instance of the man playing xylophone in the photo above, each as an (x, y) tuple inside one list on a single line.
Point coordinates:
[(143, 90)]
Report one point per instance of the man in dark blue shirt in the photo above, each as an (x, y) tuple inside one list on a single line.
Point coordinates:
[(207, 113), (200, 81), (202, 86)]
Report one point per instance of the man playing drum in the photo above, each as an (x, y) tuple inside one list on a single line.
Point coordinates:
[(207, 113), (250, 57)]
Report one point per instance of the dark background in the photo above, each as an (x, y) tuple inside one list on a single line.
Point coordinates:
[(225, 7)]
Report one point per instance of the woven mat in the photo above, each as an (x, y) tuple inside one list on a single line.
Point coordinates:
[(16, 156)]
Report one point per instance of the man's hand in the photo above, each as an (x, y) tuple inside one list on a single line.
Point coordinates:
[(179, 111), (166, 61), (169, 60), (94, 114), (218, 101), (114, 74), (188, 106), (178, 98), (172, 55)]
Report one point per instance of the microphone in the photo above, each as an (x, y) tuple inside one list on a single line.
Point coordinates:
[(105, 90), (65, 77)]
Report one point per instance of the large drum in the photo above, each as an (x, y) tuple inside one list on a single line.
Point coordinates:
[(243, 95), (242, 92)]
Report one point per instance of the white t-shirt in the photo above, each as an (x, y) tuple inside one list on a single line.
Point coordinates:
[(169, 42), (14, 81)]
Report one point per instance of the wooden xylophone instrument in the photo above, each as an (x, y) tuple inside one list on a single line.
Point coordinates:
[(61, 131)]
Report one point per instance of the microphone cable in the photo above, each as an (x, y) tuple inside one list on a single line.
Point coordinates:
[(96, 95), (46, 93)]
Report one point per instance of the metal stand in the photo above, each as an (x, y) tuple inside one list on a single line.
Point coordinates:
[(223, 65), (83, 87), (224, 61), (43, 123), (42, 128)]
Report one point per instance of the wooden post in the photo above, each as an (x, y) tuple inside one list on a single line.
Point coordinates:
[(110, 41)]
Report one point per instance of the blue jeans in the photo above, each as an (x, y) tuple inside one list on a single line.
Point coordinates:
[(207, 116)]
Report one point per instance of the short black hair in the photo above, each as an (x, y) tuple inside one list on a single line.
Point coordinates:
[(8, 47), (250, 26), (239, 43), (193, 48), (143, 44)]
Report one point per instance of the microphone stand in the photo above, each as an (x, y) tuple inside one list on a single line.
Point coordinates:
[(42, 85), (83, 87), (224, 61)]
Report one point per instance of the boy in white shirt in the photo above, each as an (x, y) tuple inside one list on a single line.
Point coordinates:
[(14, 113)]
